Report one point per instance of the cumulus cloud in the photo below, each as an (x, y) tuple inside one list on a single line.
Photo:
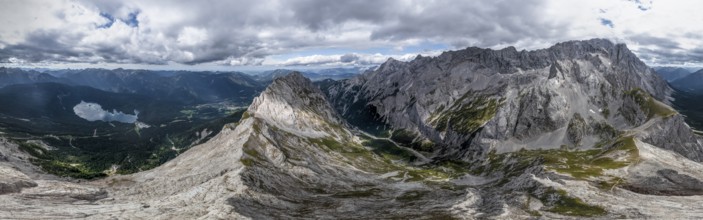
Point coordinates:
[(239, 32), (350, 59), (94, 112)]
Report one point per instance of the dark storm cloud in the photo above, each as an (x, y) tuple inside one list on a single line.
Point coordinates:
[(665, 43), (318, 15), (40, 45), (221, 49), (348, 58), (676, 57), (662, 50), (486, 24)]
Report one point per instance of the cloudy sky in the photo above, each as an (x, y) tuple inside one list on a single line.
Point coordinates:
[(235, 34)]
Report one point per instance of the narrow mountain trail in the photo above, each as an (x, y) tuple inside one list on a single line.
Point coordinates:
[(642, 127)]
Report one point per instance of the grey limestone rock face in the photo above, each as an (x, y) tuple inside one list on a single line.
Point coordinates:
[(539, 93), (15, 186), (576, 129), (292, 103), (668, 182), (673, 134)]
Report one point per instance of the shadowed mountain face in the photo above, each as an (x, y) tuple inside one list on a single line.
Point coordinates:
[(688, 95), (579, 130), (690, 105), (11, 76), (692, 83), (671, 74)]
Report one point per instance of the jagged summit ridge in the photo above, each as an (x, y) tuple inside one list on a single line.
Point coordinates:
[(515, 99), (542, 57), (294, 104), (509, 60)]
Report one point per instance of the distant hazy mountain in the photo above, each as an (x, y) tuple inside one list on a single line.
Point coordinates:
[(314, 75), (341, 71), (12, 76), (672, 73), (692, 83), (186, 86), (189, 87), (182, 86)]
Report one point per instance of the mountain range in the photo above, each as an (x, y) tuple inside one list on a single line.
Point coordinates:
[(691, 83), (582, 129), (185, 87), (314, 75), (672, 73)]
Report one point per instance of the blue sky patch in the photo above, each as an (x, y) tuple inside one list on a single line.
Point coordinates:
[(111, 20), (606, 22), (132, 19), (643, 6)]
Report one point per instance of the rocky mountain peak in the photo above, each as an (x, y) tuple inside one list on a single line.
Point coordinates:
[(515, 99), (391, 65), (294, 104), (293, 78), (628, 71), (509, 59)]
